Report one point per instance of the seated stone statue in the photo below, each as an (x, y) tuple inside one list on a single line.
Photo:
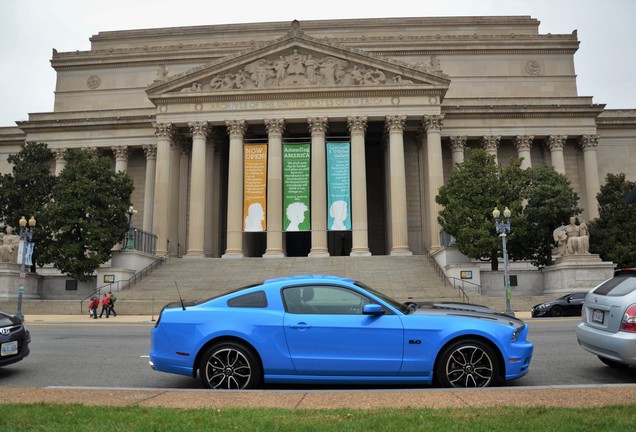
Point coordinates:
[(572, 239)]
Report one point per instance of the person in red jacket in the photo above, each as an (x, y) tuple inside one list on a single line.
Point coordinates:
[(92, 307), (105, 306)]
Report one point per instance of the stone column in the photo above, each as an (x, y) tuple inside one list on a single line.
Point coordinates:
[(161, 212), (150, 151), (236, 130), (433, 127), (275, 129), (121, 158), (524, 145), (196, 220), (589, 143), (359, 224), (178, 194), (457, 145), (490, 144), (211, 231), (399, 224), (60, 163), (318, 128), (556, 144)]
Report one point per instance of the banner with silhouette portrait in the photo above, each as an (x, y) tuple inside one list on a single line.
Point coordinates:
[(296, 187), (255, 187), (339, 186)]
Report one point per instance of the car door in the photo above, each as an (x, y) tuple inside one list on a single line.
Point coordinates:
[(575, 303), (329, 335)]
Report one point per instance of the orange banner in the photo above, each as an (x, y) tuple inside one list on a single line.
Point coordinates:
[(255, 187)]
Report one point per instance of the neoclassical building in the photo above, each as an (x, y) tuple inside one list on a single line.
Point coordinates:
[(322, 138)]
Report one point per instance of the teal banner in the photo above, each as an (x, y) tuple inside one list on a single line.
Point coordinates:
[(296, 187), (339, 186)]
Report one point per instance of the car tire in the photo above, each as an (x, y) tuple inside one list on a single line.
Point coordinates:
[(467, 363), (612, 363), (557, 311), (230, 366)]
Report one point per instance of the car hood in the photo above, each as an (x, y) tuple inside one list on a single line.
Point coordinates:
[(7, 320), (468, 311)]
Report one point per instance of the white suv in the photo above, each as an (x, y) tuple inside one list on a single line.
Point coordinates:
[(608, 328)]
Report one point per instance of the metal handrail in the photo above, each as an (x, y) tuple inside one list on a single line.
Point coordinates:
[(127, 283), (451, 280)]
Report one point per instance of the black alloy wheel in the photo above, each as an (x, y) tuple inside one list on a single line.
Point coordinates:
[(467, 364), (230, 366), (557, 311)]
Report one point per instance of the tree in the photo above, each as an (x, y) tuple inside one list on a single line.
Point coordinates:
[(613, 233), (549, 203), (27, 190), (540, 200), (87, 214)]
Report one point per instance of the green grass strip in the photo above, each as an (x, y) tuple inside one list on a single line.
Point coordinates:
[(54, 417)]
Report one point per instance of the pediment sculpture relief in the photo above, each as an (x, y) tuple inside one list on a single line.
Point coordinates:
[(303, 70)]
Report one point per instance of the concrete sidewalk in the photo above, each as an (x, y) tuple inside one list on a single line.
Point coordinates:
[(552, 396)]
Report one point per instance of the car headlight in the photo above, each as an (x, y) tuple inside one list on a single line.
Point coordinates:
[(515, 335), (543, 306)]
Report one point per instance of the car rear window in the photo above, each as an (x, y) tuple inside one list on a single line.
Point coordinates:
[(618, 286)]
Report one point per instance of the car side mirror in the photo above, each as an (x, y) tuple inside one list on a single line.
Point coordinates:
[(372, 309)]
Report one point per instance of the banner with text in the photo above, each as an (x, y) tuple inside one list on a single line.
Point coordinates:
[(296, 187), (255, 187), (339, 186)]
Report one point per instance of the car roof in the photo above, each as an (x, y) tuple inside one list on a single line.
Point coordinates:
[(309, 278), (628, 270)]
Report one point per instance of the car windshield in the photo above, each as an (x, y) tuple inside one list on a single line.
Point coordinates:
[(618, 286), (396, 304)]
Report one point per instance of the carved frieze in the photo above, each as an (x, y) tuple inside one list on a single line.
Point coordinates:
[(299, 69)]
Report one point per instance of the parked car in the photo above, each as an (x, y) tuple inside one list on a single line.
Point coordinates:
[(567, 305), (608, 326), (321, 329), (14, 339)]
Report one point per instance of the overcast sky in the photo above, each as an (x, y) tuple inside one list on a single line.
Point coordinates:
[(30, 29)]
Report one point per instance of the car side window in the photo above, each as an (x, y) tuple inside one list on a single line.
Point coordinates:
[(323, 299), (252, 300)]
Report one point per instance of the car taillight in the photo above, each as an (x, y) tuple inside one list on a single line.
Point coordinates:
[(629, 319)]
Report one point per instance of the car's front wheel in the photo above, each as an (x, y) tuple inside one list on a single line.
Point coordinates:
[(557, 311), (230, 366), (467, 363)]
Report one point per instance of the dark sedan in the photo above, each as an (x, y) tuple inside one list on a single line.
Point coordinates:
[(568, 305), (14, 339)]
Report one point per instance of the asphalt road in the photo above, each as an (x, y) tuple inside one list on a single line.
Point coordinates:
[(110, 354)]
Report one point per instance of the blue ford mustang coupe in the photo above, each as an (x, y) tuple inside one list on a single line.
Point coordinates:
[(320, 329)]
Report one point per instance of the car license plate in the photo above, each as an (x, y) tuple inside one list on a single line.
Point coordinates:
[(9, 348), (597, 316)]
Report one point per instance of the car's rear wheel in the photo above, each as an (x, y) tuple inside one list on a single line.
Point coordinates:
[(230, 366), (467, 363), (612, 363), (557, 311)]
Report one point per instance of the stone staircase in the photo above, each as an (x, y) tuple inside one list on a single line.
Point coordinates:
[(412, 278)]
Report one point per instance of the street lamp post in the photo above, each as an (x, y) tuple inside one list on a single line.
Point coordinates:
[(503, 228), (26, 234), (131, 211)]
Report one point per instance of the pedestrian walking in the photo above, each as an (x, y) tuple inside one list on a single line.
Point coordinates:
[(105, 306), (92, 307), (113, 298)]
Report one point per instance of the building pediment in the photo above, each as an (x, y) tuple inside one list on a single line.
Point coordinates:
[(303, 64)]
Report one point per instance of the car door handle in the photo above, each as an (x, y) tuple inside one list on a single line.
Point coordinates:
[(300, 326)]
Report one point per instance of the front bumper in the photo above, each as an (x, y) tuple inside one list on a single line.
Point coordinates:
[(619, 347)]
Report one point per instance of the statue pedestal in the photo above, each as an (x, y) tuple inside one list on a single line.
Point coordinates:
[(572, 273), (10, 282)]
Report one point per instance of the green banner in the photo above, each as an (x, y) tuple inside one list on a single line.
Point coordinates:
[(339, 186), (296, 187)]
